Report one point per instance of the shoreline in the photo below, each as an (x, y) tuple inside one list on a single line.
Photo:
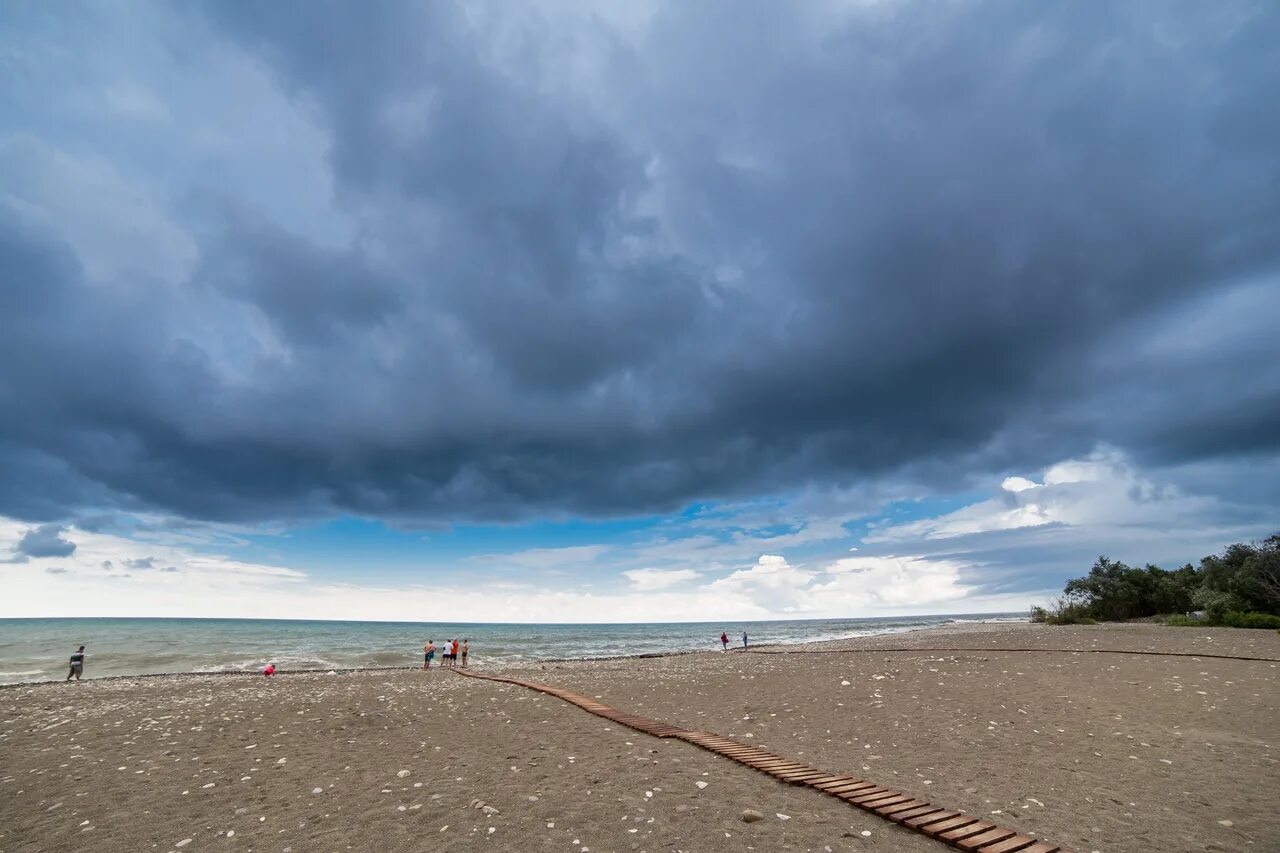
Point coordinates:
[(810, 647), (34, 649), (517, 663)]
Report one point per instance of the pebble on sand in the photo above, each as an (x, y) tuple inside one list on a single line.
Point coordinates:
[(751, 816)]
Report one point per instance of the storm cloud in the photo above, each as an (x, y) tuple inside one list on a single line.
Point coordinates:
[(547, 262)]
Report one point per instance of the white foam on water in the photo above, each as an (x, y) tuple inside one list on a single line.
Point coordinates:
[(236, 666)]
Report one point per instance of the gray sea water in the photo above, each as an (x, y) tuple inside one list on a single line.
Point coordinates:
[(37, 649)]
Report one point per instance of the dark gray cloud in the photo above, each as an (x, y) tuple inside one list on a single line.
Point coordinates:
[(563, 264), (44, 541)]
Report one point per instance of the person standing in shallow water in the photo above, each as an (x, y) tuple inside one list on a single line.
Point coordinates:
[(466, 649), (744, 641), (428, 652), (77, 664), (724, 641)]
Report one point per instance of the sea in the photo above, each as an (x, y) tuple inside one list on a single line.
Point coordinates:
[(37, 649)]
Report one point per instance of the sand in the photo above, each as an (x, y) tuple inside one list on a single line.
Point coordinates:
[(1094, 751)]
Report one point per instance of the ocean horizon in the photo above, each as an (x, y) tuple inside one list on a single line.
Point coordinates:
[(36, 648)]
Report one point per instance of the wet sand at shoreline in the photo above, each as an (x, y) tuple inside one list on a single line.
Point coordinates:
[(1096, 752)]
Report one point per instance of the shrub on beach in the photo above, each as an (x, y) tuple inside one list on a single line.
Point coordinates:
[(1064, 612), (1113, 591), (1217, 603), (1251, 620), (1250, 573), (1230, 619), (1244, 580)]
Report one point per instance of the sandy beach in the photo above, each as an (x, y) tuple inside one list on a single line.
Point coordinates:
[(1105, 752)]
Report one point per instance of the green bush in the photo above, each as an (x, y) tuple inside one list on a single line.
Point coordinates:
[(1039, 614), (1230, 619), (1243, 579), (1217, 603), (1250, 573), (1236, 619), (1065, 612), (1113, 591)]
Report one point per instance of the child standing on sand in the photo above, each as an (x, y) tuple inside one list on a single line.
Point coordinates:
[(724, 641), (428, 652)]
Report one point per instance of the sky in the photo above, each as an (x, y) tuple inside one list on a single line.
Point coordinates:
[(563, 312)]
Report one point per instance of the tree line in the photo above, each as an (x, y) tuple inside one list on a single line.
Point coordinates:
[(1239, 587)]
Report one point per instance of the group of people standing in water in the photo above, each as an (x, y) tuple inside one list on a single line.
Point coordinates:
[(453, 649)]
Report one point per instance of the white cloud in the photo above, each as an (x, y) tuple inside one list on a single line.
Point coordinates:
[(1102, 465), (861, 586), (876, 583), (172, 580), (771, 584), (111, 575), (648, 579), (1100, 491)]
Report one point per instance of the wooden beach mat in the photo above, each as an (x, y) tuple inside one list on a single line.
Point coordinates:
[(960, 830)]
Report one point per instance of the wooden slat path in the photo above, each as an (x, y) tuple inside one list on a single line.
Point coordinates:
[(962, 831)]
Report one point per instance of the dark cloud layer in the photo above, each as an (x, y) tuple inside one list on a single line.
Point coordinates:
[(604, 267)]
